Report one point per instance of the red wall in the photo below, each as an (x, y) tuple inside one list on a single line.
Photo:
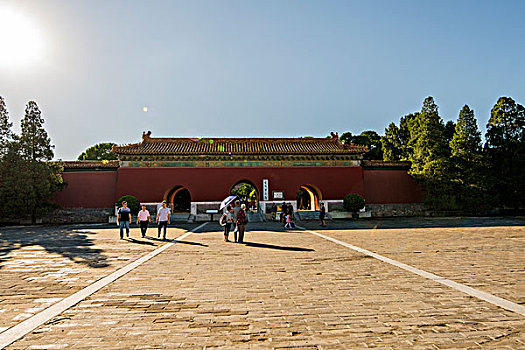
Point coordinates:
[(88, 189), (100, 189), (214, 184), (390, 186)]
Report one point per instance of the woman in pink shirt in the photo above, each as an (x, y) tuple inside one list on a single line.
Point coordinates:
[(142, 219)]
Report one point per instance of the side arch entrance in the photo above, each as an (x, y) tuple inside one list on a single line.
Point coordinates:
[(179, 199), (308, 198)]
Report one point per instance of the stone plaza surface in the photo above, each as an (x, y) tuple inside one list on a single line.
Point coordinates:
[(283, 289)]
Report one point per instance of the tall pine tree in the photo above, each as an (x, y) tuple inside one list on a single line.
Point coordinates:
[(505, 148), (6, 134), (428, 153), (427, 142), (28, 178), (34, 142), (467, 171)]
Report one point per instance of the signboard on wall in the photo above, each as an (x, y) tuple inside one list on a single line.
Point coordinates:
[(278, 194), (265, 190)]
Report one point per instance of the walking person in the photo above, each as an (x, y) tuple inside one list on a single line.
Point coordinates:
[(229, 222), (236, 210), (123, 219), (163, 219), (241, 222), (143, 218), (322, 215), (288, 221), (274, 211)]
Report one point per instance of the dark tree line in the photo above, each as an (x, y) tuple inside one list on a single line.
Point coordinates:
[(450, 161), (28, 178)]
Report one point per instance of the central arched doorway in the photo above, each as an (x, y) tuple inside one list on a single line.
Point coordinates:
[(308, 197), (179, 199), (247, 193)]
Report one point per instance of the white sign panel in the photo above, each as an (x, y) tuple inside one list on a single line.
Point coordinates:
[(278, 195), (265, 190)]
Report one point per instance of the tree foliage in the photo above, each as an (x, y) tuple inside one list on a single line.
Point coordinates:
[(505, 150), (467, 173), (368, 138), (28, 178), (100, 151), (244, 191), (28, 185), (6, 134), (34, 141)]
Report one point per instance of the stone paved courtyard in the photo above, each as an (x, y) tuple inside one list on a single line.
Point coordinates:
[(283, 289)]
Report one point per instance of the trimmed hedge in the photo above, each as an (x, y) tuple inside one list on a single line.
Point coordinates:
[(353, 202)]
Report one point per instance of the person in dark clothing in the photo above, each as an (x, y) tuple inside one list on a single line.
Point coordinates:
[(123, 219), (322, 215), (241, 222)]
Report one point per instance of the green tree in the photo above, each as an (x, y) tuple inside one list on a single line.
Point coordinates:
[(505, 149), (368, 138), (429, 155), (6, 134), (28, 185), (467, 170), (101, 151), (391, 143), (346, 138), (34, 141), (428, 143)]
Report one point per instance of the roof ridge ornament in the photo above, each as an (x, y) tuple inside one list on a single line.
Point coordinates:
[(334, 135), (146, 135)]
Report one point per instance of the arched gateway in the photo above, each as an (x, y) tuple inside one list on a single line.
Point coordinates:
[(179, 199), (269, 170)]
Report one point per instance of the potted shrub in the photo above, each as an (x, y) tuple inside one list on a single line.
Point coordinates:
[(133, 203), (353, 203)]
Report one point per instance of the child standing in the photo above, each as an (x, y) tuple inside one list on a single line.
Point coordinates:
[(288, 221)]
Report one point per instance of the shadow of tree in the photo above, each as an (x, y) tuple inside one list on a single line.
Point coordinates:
[(73, 244)]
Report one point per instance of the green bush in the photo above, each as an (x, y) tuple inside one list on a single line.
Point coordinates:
[(353, 202), (133, 203)]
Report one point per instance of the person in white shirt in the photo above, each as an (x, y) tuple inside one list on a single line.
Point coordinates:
[(143, 218), (163, 218)]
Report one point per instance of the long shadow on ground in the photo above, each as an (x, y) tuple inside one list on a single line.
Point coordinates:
[(73, 244), (272, 246)]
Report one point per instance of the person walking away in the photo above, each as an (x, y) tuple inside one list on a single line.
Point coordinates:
[(274, 211), (163, 219), (123, 219), (236, 210), (229, 222), (143, 218), (322, 214), (241, 222)]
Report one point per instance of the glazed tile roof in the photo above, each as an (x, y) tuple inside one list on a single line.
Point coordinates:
[(89, 164), (238, 146)]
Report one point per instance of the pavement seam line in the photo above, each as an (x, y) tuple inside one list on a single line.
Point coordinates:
[(503, 303), (16, 332)]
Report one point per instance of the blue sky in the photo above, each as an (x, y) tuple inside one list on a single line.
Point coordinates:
[(258, 68)]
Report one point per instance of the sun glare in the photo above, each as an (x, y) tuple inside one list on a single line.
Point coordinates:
[(21, 42)]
